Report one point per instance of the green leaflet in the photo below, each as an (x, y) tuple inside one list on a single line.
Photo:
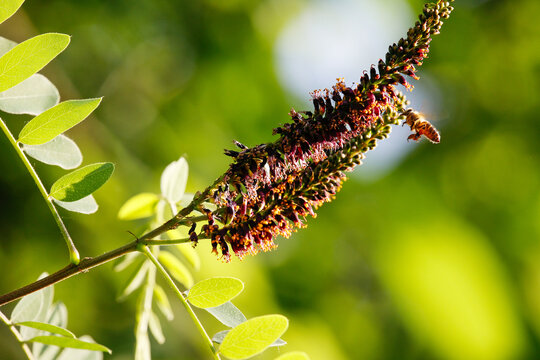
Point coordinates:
[(68, 342), (56, 120), (214, 291), (86, 205), (8, 8), (174, 179), (32, 96), (253, 336), (27, 58), (139, 206), (176, 268), (82, 182), (47, 327), (60, 151), (228, 314), (294, 355)]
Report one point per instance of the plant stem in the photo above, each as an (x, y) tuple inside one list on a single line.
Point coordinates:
[(17, 335), (74, 256), (87, 263), (179, 294)]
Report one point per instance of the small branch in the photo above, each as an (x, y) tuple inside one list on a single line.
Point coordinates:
[(17, 335), (68, 271), (88, 263), (180, 296), (74, 256)]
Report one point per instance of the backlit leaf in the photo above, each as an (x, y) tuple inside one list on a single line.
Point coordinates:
[(82, 182), (176, 268), (139, 206), (32, 96), (173, 180), (56, 120), (228, 314), (47, 327), (27, 58), (79, 354), (67, 342), (60, 151), (33, 307), (6, 45), (253, 336), (218, 339), (86, 205), (294, 355), (214, 291), (8, 8)]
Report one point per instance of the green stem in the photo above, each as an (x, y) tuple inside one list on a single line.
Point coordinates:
[(17, 335), (74, 256), (180, 296)]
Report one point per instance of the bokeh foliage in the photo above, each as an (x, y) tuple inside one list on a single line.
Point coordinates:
[(437, 259)]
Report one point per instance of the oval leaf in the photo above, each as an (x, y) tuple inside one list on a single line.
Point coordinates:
[(60, 151), (47, 327), (176, 268), (56, 120), (27, 58), (294, 355), (86, 205), (218, 339), (33, 96), (253, 336), (174, 179), (214, 291), (66, 342), (34, 307), (139, 206), (71, 354), (8, 8), (228, 314), (82, 182)]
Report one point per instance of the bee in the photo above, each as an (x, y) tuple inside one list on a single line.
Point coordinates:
[(418, 123)]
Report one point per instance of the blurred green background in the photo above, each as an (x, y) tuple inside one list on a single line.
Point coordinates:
[(428, 252)]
